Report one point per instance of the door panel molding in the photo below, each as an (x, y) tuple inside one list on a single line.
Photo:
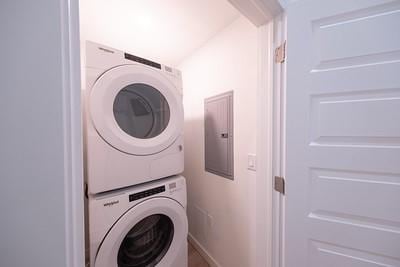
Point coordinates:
[(343, 135)]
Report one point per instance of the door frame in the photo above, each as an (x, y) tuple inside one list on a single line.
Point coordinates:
[(279, 144), (264, 191), (72, 129), (270, 145)]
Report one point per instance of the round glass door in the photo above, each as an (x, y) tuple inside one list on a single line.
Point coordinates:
[(141, 111), (136, 110), (147, 242), (151, 233)]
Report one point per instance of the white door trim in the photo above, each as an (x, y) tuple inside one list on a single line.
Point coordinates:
[(73, 164), (259, 12), (278, 154), (264, 183)]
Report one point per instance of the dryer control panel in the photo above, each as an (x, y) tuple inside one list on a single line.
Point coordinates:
[(142, 61)]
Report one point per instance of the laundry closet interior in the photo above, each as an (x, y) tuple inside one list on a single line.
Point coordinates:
[(169, 95)]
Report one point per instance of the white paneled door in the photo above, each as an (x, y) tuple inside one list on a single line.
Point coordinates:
[(343, 134)]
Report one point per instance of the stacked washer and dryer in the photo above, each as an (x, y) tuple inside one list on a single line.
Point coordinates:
[(133, 123)]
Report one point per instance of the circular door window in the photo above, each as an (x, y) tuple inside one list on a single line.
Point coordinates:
[(147, 242), (151, 233), (141, 111), (136, 110)]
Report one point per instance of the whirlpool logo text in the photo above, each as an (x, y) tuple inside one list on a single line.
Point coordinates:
[(109, 204)]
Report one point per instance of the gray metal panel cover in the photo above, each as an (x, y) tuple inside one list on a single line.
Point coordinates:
[(218, 134)]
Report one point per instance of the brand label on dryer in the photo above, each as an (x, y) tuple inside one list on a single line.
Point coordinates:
[(106, 50), (109, 204)]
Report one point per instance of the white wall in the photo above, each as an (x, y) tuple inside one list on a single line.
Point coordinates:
[(40, 224), (222, 212), (163, 31)]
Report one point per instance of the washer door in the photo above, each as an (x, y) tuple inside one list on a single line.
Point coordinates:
[(149, 234), (136, 109)]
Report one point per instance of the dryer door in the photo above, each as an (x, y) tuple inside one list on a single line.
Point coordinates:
[(151, 233), (136, 109)]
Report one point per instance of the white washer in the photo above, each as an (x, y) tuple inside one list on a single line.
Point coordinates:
[(133, 119), (145, 225)]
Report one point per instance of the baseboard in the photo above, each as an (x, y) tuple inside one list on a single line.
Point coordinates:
[(203, 252)]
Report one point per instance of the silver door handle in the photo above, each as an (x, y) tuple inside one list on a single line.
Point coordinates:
[(224, 135)]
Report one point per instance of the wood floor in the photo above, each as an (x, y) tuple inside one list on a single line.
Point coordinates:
[(195, 259)]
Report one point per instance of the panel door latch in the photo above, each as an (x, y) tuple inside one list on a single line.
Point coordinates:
[(279, 184)]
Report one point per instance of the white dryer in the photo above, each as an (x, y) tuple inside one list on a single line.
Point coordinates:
[(133, 119), (145, 225)]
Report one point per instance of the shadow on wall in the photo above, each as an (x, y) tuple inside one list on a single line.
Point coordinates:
[(217, 217)]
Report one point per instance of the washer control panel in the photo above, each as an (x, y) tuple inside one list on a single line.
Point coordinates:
[(146, 193)]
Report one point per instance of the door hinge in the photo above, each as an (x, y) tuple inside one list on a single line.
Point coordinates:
[(279, 184), (280, 53)]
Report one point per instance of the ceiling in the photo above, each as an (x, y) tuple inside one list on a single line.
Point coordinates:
[(166, 31)]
